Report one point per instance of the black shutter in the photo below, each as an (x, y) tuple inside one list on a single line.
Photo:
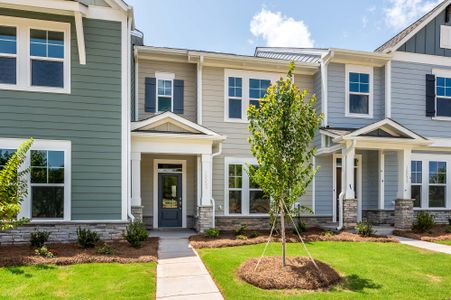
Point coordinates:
[(178, 96), (151, 94), (430, 95)]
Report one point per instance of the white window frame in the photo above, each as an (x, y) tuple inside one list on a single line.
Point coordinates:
[(359, 69), (426, 158), (444, 74), (9, 55), (245, 76), (23, 57), (418, 184), (48, 145), (245, 188), (166, 77)]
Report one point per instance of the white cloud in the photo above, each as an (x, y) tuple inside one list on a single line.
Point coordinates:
[(401, 13), (364, 21), (280, 31)]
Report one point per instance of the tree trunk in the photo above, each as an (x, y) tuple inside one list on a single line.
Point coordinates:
[(282, 228)]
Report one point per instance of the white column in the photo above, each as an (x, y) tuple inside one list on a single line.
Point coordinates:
[(381, 178), (404, 158), (136, 178), (348, 156), (206, 162)]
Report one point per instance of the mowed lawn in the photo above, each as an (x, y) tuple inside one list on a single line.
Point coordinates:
[(371, 271), (83, 281), (445, 242)]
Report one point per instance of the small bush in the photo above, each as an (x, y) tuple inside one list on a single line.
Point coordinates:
[(449, 221), (106, 249), (39, 238), (253, 234), (241, 237), (212, 233), (44, 252), (424, 222), (364, 228), (328, 233), (87, 238), (241, 230), (136, 233), (300, 226)]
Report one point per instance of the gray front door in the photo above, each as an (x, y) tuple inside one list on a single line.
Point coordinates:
[(169, 200)]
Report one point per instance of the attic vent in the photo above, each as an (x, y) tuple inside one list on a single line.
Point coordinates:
[(445, 37)]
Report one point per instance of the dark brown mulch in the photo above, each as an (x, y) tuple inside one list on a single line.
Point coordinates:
[(437, 233), (68, 254), (227, 239), (299, 273)]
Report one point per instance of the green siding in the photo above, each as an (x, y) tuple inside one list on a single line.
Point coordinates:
[(90, 117)]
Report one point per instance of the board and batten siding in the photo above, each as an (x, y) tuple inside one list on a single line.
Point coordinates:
[(90, 117), (236, 144), (183, 71), (336, 98)]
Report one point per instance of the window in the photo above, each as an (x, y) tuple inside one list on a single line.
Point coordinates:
[(235, 97), (34, 55), (47, 184), (164, 95), (5, 155), (258, 201), (443, 97), (8, 55), (416, 179), (235, 188), (257, 90), (359, 91), (437, 183)]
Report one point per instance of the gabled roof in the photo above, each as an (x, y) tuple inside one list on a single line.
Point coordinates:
[(398, 40)]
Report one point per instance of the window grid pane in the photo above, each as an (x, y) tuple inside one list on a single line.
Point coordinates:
[(359, 82), (8, 40), (49, 44), (5, 155), (443, 87), (235, 87)]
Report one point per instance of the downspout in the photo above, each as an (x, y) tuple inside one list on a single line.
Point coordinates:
[(213, 203), (199, 89)]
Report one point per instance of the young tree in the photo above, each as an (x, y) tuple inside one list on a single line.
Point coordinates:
[(13, 187), (282, 130)]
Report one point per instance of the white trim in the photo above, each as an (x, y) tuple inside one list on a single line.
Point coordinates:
[(155, 188), (388, 71), (164, 76), (359, 69), (324, 90), (381, 178), (23, 57), (125, 119), (314, 188), (49, 145), (199, 90), (80, 38), (136, 87), (422, 58)]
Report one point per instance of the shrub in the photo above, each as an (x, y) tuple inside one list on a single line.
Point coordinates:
[(448, 229), (212, 233), (241, 230), (424, 222), (106, 249), (449, 221), (301, 227), (241, 237), (39, 238), (328, 233), (44, 252), (253, 234), (364, 228), (136, 233), (87, 238)]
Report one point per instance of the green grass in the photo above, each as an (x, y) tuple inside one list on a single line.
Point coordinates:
[(444, 242), (371, 271), (83, 281)]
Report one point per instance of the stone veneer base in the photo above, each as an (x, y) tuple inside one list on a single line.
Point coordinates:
[(387, 216), (229, 223)]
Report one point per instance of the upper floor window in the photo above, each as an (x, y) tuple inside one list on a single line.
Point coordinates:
[(359, 98), (164, 95), (244, 88), (443, 96), (34, 55), (5, 155)]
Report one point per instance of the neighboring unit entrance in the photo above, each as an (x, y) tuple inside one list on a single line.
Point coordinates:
[(169, 196)]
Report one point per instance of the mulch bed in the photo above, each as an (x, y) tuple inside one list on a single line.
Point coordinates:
[(299, 273), (227, 239), (71, 253), (437, 233)]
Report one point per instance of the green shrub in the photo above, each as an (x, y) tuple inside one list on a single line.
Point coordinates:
[(241, 237), (253, 234), (448, 229), (449, 221), (39, 238), (241, 230), (87, 238), (328, 233), (364, 228), (136, 233), (106, 249), (212, 233), (300, 226), (424, 222), (44, 252)]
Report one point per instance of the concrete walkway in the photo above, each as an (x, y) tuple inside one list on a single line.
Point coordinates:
[(180, 272), (424, 245)]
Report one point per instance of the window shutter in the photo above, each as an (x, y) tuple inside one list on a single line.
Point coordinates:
[(178, 96), (150, 94), (430, 95)]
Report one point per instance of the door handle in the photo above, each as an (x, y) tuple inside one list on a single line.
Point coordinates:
[(180, 203)]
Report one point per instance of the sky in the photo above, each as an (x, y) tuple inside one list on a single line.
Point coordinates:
[(238, 26)]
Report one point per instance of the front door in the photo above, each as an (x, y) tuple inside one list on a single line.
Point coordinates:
[(170, 200)]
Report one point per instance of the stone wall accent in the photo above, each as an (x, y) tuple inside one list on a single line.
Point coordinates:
[(379, 216), (440, 216), (205, 218), (137, 212), (62, 232), (228, 223), (403, 214), (349, 213)]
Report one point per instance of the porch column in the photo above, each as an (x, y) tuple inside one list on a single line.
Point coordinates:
[(349, 207), (404, 202), (381, 156), (205, 209), (137, 208)]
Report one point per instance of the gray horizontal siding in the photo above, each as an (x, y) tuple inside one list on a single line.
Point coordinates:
[(90, 117), (390, 179), (324, 185)]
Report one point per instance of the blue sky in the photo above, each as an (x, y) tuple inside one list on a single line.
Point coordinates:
[(238, 26)]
